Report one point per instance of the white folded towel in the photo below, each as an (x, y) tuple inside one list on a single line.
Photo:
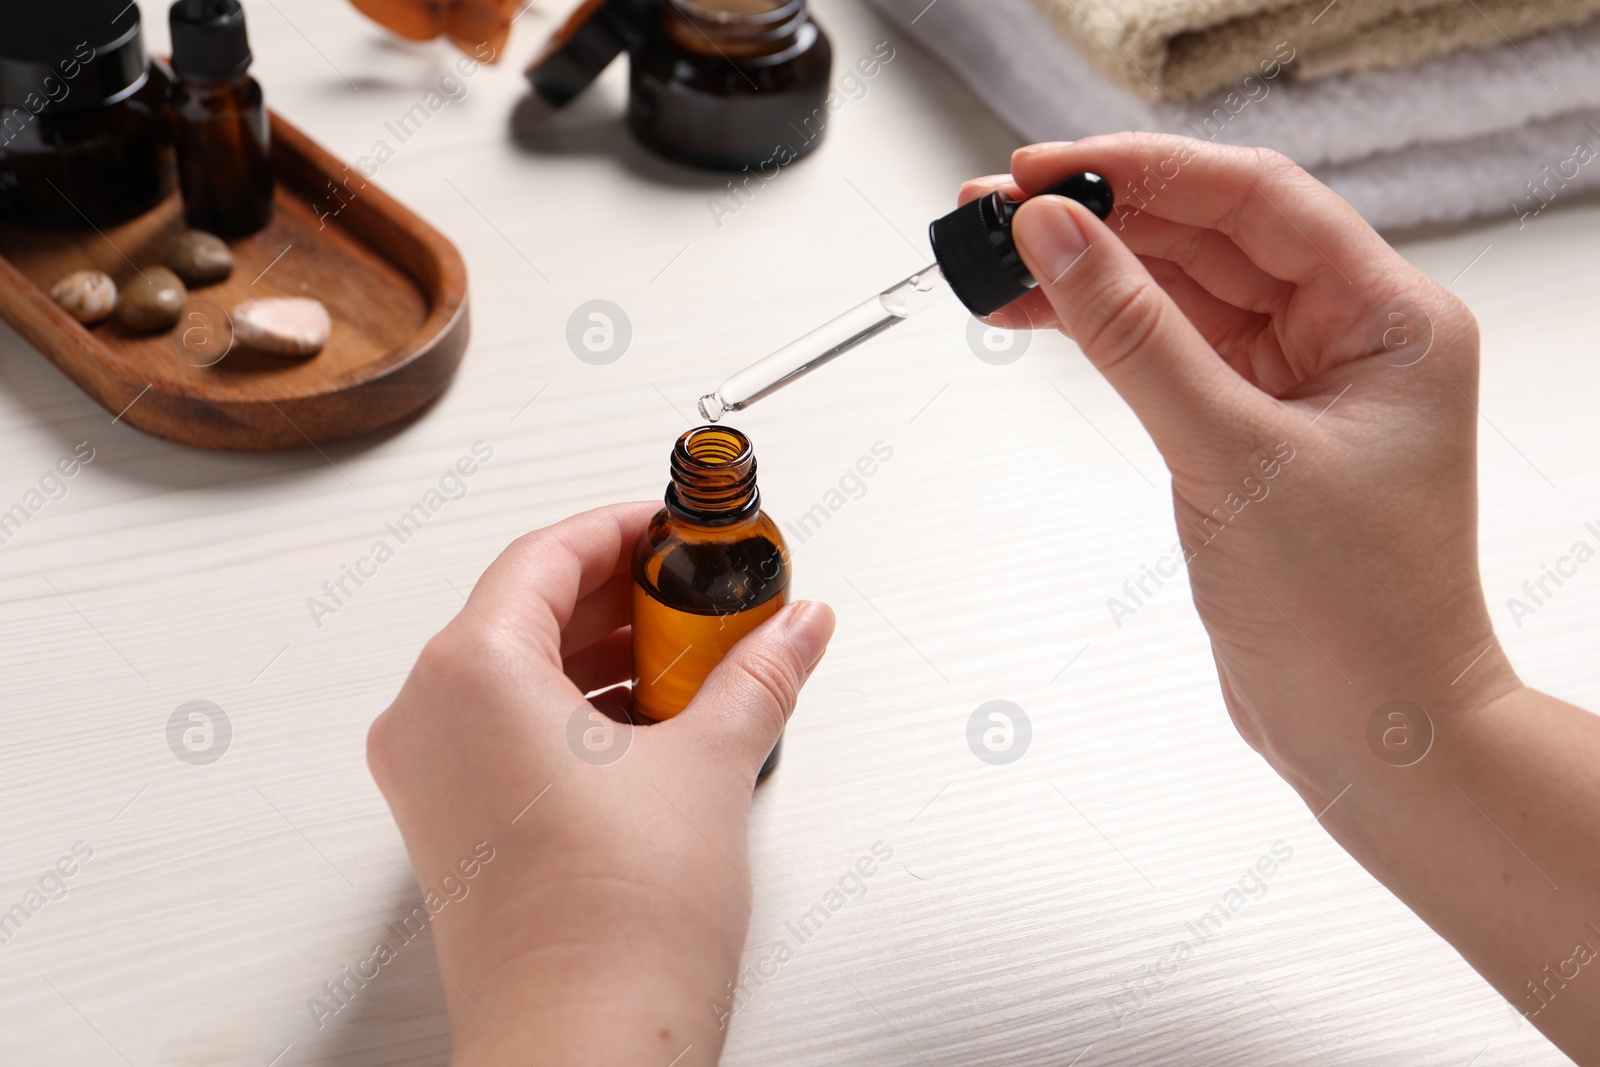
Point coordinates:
[(1465, 135)]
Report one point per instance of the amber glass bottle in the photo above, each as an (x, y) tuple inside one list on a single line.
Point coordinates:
[(219, 121), (731, 83), (709, 568)]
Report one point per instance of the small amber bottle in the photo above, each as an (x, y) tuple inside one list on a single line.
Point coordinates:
[(219, 120), (709, 568)]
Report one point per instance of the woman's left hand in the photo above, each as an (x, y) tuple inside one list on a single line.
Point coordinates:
[(590, 878)]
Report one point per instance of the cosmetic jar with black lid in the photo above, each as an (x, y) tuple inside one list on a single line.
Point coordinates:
[(725, 84), (83, 115)]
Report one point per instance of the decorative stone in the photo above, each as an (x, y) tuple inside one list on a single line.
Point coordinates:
[(287, 325), (199, 258), (88, 295), (151, 300)]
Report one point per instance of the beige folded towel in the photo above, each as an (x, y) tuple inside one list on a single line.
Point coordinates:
[(1171, 49)]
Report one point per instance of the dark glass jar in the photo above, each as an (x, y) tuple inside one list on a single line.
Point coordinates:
[(83, 126), (731, 83)]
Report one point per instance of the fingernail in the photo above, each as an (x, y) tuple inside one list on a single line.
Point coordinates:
[(808, 626), (1048, 237), (1031, 151), (1010, 318)]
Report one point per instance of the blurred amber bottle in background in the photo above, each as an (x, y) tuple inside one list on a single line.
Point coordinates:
[(219, 120)]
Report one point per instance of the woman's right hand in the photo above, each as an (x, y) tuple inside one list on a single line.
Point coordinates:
[(1315, 398), (1313, 395)]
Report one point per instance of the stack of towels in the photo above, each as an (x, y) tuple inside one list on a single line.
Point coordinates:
[(1416, 111)]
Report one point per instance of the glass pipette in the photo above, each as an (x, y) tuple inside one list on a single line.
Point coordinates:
[(974, 257), (861, 323)]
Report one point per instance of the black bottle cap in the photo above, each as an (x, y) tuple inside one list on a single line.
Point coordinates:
[(57, 56), (209, 43), (598, 32), (977, 255)]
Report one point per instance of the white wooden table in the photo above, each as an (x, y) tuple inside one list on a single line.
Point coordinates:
[(1020, 900)]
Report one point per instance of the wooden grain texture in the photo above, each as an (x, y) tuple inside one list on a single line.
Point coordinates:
[(974, 566), (395, 289)]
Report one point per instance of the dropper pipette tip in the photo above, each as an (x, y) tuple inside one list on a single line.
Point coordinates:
[(711, 407)]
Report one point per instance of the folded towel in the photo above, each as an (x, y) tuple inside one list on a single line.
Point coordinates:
[(1352, 130), (1513, 174), (1170, 49)]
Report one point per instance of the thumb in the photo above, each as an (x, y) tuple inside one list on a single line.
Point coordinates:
[(744, 703), (1129, 326)]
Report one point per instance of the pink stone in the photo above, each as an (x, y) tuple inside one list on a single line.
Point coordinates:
[(287, 325)]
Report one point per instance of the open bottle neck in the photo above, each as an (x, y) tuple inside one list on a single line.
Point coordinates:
[(713, 476)]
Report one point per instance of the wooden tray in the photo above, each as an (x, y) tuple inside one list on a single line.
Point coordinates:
[(395, 288)]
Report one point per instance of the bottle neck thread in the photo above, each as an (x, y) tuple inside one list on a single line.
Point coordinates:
[(713, 475), (736, 27)]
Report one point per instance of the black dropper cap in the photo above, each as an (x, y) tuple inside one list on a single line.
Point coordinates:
[(209, 43), (977, 255)]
